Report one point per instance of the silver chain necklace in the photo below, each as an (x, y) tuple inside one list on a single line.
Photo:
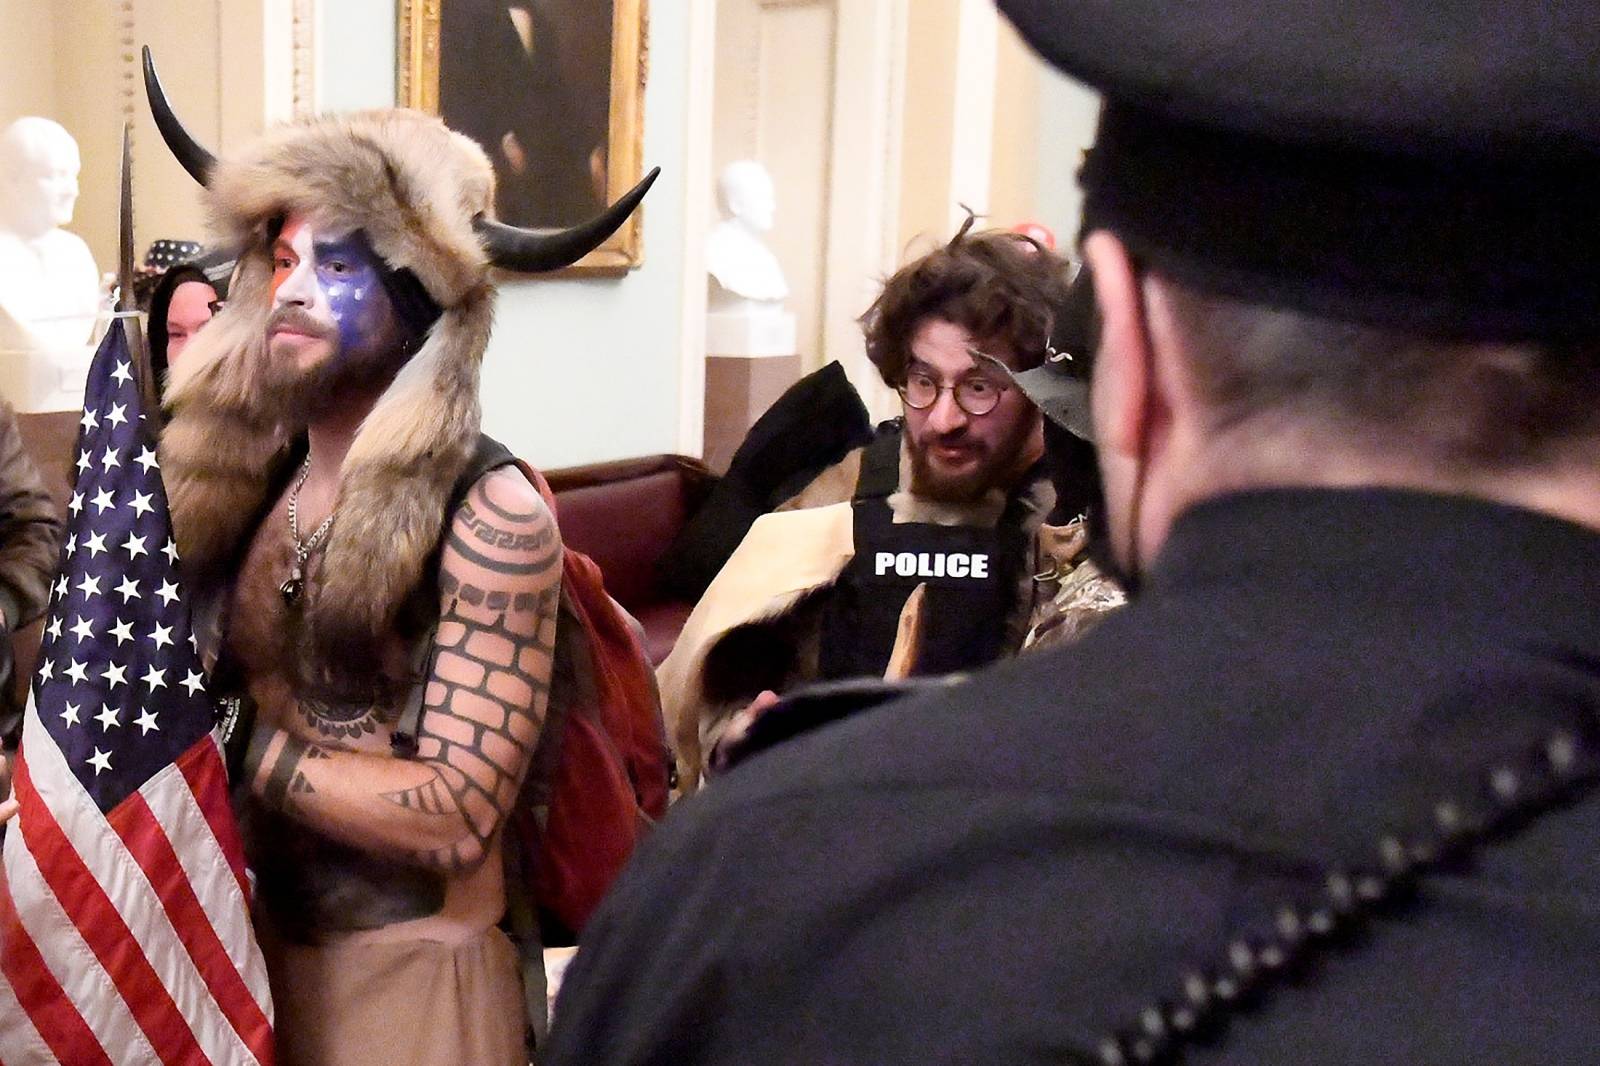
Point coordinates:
[(296, 585)]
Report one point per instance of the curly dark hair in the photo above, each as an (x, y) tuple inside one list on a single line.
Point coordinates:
[(1001, 287)]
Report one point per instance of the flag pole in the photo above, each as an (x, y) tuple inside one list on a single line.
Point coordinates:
[(127, 311)]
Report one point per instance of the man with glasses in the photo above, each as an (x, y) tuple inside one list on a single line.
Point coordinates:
[(946, 499)]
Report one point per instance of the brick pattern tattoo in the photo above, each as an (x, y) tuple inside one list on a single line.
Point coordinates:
[(485, 701)]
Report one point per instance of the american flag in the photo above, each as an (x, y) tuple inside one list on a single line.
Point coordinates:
[(124, 926)]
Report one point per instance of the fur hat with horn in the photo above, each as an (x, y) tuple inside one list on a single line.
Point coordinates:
[(423, 196)]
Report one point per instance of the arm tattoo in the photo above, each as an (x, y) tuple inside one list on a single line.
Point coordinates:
[(286, 777), (337, 721), (485, 702), (488, 532)]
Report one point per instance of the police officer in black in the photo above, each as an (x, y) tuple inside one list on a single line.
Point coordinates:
[(1324, 791)]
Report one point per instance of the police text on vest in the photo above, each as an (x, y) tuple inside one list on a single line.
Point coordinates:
[(931, 564)]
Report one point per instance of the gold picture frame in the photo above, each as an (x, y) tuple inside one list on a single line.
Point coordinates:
[(582, 141)]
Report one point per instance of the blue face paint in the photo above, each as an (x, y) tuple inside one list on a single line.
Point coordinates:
[(350, 275)]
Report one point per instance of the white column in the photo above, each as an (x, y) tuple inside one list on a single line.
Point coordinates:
[(972, 116), (863, 223), (699, 101)]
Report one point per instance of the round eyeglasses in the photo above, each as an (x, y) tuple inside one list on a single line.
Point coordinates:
[(975, 394)]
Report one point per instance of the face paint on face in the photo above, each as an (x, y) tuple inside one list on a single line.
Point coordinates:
[(333, 330), (333, 322)]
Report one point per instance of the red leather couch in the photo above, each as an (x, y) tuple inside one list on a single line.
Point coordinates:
[(623, 515)]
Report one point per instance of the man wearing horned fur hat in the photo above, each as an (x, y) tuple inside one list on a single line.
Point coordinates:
[(355, 545)]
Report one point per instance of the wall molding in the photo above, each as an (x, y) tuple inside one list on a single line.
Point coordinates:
[(699, 107), (303, 45)]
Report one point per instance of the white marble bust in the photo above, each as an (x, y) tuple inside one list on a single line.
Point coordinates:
[(49, 286), (741, 265)]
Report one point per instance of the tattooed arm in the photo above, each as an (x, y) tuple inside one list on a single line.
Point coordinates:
[(499, 581)]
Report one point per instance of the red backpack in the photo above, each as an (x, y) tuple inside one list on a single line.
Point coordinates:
[(600, 773)]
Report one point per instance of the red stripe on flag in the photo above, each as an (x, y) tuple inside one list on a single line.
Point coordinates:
[(202, 767), (54, 1016), (108, 936), (136, 824)]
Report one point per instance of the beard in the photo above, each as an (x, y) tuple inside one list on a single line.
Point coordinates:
[(931, 481), (304, 393), (995, 465)]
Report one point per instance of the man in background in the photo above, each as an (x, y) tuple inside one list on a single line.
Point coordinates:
[(946, 499), (1324, 791)]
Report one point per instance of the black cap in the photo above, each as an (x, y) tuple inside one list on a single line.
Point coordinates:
[(1059, 386), (1422, 164)]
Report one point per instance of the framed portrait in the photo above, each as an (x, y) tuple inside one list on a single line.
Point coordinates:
[(552, 89)]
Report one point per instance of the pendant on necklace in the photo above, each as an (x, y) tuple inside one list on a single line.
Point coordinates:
[(292, 588)]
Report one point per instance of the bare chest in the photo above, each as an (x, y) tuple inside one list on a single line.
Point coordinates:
[(267, 636)]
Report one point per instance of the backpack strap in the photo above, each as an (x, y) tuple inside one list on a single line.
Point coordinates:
[(1565, 768)]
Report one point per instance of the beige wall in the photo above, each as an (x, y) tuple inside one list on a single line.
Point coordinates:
[(27, 85), (932, 53), (1013, 181)]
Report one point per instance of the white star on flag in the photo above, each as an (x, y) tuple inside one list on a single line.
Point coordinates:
[(89, 420), (54, 629), (117, 415), (194, 682), (103, 501), (83, 628), (141, 504), (162, 635), (146, 721), (84, 462), (72, 545), (77, 672), (109, 460), (134, 546), (69, 714), (123, 631), (75, 504), (89, 586), (146, 460), (108, 717), (100, 760), (115, 674), (121, 375), (95, 544), (155, 678), (171, 551), (129, 589), (168, 592), (47, 670)]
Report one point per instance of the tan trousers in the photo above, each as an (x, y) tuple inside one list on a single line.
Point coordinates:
[(411, 1003)]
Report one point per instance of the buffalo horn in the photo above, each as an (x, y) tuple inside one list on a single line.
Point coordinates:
[(195, 159), (531, 251)]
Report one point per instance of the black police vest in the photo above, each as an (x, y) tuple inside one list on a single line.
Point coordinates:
[(971, 573)]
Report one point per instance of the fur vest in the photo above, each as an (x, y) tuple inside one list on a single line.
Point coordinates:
[(414, 187)]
